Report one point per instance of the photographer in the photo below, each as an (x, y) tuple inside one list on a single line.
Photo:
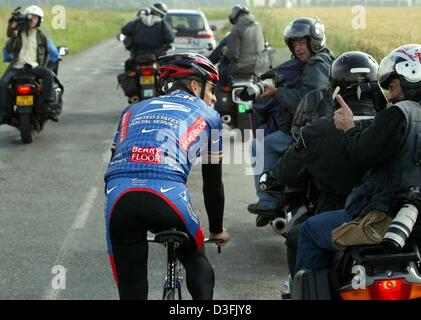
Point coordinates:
[(28, 47), (306, 40)]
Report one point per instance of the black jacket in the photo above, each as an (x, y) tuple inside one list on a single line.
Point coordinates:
[(314, 74), (317, 157), (150, 34)]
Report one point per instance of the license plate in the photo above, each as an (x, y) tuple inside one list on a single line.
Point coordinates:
[(148, 93), (147, 80), (182, 40), (24, 101)]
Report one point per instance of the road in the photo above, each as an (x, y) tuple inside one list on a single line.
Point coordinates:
[(51, 202)]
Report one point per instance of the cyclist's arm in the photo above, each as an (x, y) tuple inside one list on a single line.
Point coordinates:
[(213, 193)]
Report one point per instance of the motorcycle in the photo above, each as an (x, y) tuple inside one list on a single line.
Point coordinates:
[(386, 271), (25, 89), (141, 79)]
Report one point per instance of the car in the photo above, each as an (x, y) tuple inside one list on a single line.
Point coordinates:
[(193, 33)]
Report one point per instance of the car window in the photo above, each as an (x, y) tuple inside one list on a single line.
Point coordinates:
[(186, 22)]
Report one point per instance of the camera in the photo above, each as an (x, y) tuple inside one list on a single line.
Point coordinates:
[(20, 19), (400, 228), (255, 90)]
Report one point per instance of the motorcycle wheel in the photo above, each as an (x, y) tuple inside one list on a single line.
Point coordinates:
[(25, 128)]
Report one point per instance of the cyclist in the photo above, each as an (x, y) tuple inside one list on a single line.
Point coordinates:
[(156, 143)]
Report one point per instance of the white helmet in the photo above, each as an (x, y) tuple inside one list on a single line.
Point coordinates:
[(34, 11), (403, 63)]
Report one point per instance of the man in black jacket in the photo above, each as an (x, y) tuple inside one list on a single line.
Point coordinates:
[(389, 149), (149, 34), (316, 157)]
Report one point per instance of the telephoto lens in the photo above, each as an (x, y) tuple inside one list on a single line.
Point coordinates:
[(400, 228), (256, 90)]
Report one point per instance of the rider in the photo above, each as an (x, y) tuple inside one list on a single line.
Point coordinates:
[(28, 48), (154, 148), (389, 149), (245, 45), (306, 39), (149, 33), (316, 157)]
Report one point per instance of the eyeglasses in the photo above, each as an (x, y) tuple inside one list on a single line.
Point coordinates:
[(212, 85)]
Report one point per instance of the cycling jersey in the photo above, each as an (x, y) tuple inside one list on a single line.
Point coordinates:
[(162, 137)]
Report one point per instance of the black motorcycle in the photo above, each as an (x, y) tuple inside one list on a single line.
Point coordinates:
[(24, 90), (390, 270)]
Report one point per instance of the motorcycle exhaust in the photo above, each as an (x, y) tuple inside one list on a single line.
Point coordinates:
[(226, 119), (279, 225)]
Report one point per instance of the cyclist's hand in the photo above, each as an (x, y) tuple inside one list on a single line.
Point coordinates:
[(223, 237)]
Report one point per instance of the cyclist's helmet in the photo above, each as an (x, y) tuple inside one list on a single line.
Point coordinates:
[(236, 10), (403, 63), (351, 69), (187, 65), (311, 29), (159, 9)]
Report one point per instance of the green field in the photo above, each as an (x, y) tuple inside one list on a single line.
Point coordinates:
[(386, 29)]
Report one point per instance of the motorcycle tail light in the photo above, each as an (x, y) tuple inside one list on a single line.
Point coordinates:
[(24, 90), (393, 289), (390, 289)]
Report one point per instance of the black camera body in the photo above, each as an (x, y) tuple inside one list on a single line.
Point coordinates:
[(20, 19)]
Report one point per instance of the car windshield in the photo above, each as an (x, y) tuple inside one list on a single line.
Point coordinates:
[(186, 24)]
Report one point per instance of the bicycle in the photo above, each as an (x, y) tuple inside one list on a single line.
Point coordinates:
[(173, 239)]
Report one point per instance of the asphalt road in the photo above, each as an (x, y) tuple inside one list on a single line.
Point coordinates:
[(51, 202)]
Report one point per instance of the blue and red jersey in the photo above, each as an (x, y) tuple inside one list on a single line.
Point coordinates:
[(162, 137)]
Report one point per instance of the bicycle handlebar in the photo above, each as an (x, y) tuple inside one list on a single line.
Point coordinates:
[(216, 241)]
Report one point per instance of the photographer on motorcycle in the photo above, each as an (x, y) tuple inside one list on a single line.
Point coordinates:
[(317, 157), (389, 149), (149, 34), (245, 48), (306, 40), (28, 47)]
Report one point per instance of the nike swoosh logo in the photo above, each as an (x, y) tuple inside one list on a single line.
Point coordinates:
[(215, 141), (163, 190), (149, 130), (112, 189)]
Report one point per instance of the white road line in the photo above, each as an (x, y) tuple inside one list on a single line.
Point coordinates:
[(78, 224)]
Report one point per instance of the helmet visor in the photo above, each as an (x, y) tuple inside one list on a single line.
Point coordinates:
[(297, 30)]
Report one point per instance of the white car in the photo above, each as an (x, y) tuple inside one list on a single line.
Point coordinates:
[(193, 33)]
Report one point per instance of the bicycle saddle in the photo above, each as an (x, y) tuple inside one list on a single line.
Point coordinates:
[(171, 236)]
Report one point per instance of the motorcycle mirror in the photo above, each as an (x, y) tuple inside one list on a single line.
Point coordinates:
[(121, 37), (63, 51)]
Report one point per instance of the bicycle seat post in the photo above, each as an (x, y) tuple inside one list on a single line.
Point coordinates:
[(171, 268)]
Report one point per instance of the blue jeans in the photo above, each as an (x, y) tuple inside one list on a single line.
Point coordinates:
[(274, 145), (315, 244)]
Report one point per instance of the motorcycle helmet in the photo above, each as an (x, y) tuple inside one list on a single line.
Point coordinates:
[(143, 12), (351, 69), (235, 11), (311, 29), (159, 9), (34, 11), (403, 63)]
